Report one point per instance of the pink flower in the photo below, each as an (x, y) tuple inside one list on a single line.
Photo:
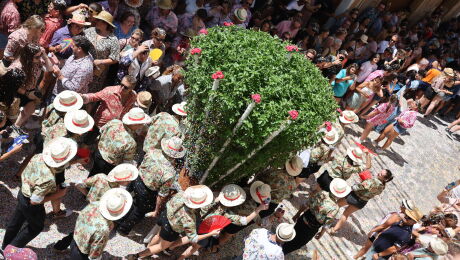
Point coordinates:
[(340, 111), (293, 114), (195, 51), (228, 23), (218, 75), (328, 126), (292, 48), (256, 98), (203, 31)]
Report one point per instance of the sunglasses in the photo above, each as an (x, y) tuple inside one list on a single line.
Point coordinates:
[(125, 87)]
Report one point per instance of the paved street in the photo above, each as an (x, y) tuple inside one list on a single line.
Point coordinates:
[(423, 162)]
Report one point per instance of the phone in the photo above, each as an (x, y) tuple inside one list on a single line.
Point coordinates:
[(450, 185)]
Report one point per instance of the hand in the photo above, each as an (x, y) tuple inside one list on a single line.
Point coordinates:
[(375, 256), (97, 62), (215, 232), (56, 71), (82, 6), (152, 214), (57, 48), (337, 62), (261, 207), (140, 49), (155, 62)]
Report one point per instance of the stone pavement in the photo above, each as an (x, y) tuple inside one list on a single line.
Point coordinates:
[(423, 162)]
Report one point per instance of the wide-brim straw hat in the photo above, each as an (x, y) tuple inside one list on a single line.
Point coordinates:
[(189, 32), (134, 3), (59, 151), (115, 203), (165, 4), (348, 117), (414, 214), (294, 166), (331, 137), (136, 116), (438, 246), (339, 188), (261, 188), (356, 154), (106, 17), (241, 14), (78, 121), (198, 196), (232, 195), (153, 71), (144, 99), (285, 232), (123, 172), (173, 147), (79, 19), (179, 109), (67, 101), (407, 204), (449, 72)]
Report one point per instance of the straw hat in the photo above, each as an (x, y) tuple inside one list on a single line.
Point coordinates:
[(78, 18), (115, 203), (67, 101), (449, 72), (179, 109), (241, 14), (285, 232), (144, 99), (123, 172), (294, 166), (414, 214), (198, 196), (78, 121), (189, 32), (260, 190), (106, 17), (136, 116), (364, 38), (438, 246), (408, 204), (331, 137), (356, 154), (134, 3), (165, 4), (339, 188), (348, 117), (173, 147), (153, 71), (232, 195), (59, 151)]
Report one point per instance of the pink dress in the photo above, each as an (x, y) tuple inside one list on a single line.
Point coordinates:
[(382, 115)]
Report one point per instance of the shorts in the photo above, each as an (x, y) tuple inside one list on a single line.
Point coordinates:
[(166, 231), (24, 100), (429, 93), (324, 181), (354, 200), (3, 41), (398, 128), (60, 178), (311, 169)]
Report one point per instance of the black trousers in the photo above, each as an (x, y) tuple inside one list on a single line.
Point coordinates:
[(75, 253), (34, 218), (304, 232), (100, 165), (144, 201)]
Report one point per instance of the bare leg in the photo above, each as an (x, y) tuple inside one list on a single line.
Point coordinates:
[(179, 242), (385, 133), (440, 106), (393, 134), (364, 111), (26, 112), (455, 128), (363, 105), (189, 251), (155, 249), (348, 211), (367, 130), (363, 249), (56, 204), (456, 122), (432, 105), (155, 240)]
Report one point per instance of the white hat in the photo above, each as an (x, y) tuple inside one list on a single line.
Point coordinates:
[(331, 137), (348, 117), (261, 189), (450, 232), (180, 109), (115, 203), (173, 147), (356, 154), (153, 71), (232, 195), (339, 187), (198, 196), (364, 38), (136, 116), (123, 172), (439, 246), (408, 204), (134, 3), (241, 14), (78, 121), (294, 166), (285, 232), (59, 151), (67, 101)]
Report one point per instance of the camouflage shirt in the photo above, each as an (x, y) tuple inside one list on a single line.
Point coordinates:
[(281, 183), (52, 117), (117, 143), (216, 208), (368, 189), (181, 218), (38, 180), (157, 172), (323, 207), (97, 185), (319, 153), (163, 125), (339, 167), (92, 231)]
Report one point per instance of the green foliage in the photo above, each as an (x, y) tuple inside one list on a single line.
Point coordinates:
[(253, 62)]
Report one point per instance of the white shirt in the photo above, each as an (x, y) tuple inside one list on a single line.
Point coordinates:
[(258, 246), (305, 156), (294, 6)]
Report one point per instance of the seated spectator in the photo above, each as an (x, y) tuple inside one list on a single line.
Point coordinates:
[(126, 26)]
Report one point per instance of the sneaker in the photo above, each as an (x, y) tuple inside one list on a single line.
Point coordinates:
[(379, 150), (61, 214)]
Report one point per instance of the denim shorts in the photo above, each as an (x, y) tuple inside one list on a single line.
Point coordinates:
[(3, 41), (398, 128)]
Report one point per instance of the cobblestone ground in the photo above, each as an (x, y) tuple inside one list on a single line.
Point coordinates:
[(423, 162)]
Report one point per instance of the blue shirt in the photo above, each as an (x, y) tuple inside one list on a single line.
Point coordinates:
[(58, 38), (341, 88), (119, 33)]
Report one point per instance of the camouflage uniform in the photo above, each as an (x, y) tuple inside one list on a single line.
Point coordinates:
[(116, 143), (163, 125), (281, 183), (368, 189), (97, 185)]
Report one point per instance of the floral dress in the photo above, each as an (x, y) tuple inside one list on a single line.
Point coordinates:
[(384, 113), (104, 48)]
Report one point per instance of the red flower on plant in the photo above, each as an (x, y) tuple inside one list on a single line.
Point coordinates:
[(328, 126), (292, 48), (340, 111), (218, 75), (203, 31), (256, 98), (228, 23), (195, 51), (293, 114)]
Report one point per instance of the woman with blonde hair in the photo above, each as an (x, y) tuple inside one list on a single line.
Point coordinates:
[(29, 32), (132, 42)]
